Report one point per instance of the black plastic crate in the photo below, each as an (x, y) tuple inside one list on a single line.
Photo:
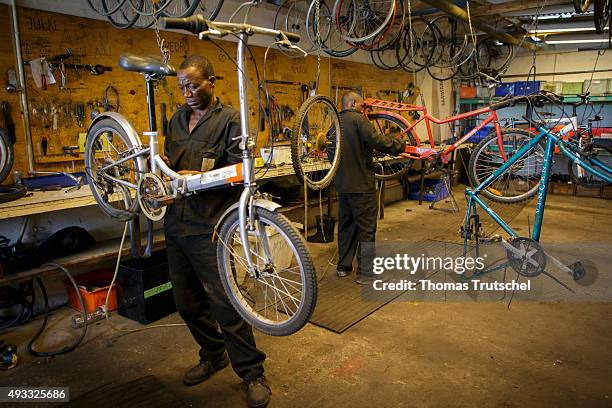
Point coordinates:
[(144, 291)]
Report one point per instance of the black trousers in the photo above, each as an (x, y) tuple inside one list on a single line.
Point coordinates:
[(202, 303), (356, 223)]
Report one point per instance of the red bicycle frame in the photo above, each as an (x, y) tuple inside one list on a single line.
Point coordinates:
[(421, 153)]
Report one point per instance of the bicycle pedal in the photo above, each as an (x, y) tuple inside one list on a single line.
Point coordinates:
[(577, 270)]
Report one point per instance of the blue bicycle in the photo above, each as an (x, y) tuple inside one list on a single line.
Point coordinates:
[(524, 254)]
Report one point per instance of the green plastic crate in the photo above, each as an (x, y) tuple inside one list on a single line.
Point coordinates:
[(572, 88)]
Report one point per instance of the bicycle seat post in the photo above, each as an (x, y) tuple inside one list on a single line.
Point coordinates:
[(151, 102)]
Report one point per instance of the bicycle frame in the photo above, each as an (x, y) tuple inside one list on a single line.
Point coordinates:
[(419, 153), (552, 139)]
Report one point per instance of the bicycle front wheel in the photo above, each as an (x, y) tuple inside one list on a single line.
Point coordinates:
[(113, 178), (518, 183), (594, 155), (316, 146), (281, 297)]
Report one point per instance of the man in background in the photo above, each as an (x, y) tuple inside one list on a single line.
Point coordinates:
[(356, 185)]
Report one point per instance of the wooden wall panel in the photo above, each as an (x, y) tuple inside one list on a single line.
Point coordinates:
[(97, 42)]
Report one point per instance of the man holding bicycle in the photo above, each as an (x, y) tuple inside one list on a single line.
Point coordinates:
[(203, 135), (356, 185)]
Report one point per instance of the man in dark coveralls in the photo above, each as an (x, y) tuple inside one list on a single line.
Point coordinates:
[(356, 185), (202, 135)]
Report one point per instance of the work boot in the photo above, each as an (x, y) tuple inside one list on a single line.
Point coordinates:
[(257, 392), (343, 272), (204, 371)]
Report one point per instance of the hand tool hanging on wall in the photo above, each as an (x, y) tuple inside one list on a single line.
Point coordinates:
[(111, 94), (79, 114), (8, 122)]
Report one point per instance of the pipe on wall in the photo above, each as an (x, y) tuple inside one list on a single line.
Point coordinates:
[(25, 111)]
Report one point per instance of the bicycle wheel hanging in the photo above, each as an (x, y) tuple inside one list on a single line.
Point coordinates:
[(125, 17), (179, 9), (329, 39), (316, 145), (386, 166), (281, 297), (112, 178), (518, 183), (592, 154), (359, 21)]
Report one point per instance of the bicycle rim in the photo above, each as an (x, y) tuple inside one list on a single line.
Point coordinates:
[(106, 145), (520, 182), (316, 145)]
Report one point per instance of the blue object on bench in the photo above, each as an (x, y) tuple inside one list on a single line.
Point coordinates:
[(51, 180)]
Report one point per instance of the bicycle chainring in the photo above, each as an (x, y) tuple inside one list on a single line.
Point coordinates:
[(526, 257), (150, 190)]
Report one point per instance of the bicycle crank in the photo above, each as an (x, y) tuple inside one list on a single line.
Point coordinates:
[(525, 256), (153, 196)]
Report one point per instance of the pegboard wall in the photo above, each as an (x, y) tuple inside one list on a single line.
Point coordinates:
[(93, 42)]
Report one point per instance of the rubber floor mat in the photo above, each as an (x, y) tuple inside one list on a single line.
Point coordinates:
[(341, 302), (144, 392)]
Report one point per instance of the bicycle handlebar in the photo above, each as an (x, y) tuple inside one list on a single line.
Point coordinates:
[(197, 24), (536, 99)]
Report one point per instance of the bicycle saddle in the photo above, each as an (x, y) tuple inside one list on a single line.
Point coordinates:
[(146, 65)]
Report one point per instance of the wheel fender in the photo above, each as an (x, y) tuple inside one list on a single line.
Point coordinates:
[(131, 133), (129, 130), (259, 202)]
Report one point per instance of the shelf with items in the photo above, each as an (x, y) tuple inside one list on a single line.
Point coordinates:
[(568, 99)]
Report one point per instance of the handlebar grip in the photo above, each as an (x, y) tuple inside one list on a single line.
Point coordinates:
[(502, 104), (194, 24), (293, 37)]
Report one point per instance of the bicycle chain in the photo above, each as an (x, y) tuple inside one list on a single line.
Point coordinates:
[(161, 42)]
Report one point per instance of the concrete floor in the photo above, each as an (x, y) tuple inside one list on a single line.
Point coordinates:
[(407, 354)]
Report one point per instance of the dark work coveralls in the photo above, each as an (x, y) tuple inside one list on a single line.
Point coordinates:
[(356, 186), (192, 256)]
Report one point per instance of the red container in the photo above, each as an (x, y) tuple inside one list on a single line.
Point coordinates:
[(93, 287), (467, 92)]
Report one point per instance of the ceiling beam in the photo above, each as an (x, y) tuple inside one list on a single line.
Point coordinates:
[(460, 13), (518, 5)]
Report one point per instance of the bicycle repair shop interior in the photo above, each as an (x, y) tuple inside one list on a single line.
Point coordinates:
[(444, 341)]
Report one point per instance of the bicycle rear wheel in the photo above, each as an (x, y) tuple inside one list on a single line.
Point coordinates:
[(518, 183), (113, 179), (316, 145), (593, 155), (280, 299), (387, 167)]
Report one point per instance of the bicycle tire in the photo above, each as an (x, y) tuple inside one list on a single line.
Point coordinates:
[(369, 35), (401, 164), (105, 12), (101, 188), (214, 12), (572, 167), (309, 152), (180, 13), (236, 280), (115, 18), (496, 192), (7, 155), (326, 42), (12, 193)]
